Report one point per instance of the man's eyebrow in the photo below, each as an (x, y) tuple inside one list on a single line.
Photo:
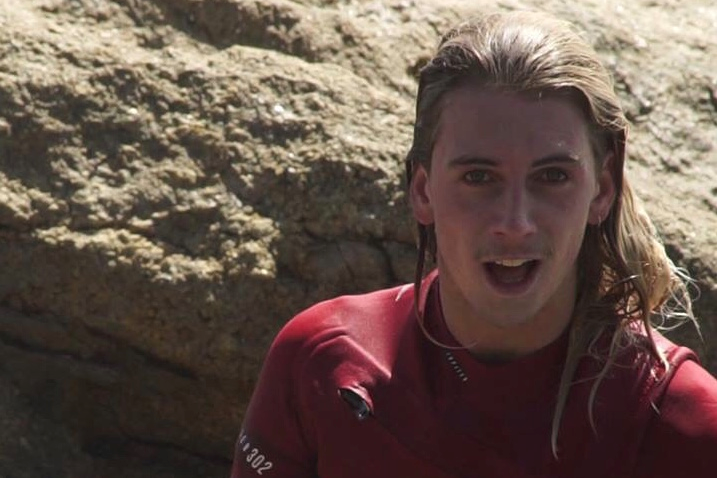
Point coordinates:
[(469, 160), (566, 158)]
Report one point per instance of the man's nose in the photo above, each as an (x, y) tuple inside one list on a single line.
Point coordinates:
[(514, 213)]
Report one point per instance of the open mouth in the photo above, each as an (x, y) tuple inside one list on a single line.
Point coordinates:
[(511, 275)]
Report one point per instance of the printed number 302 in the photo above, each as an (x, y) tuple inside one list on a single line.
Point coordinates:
[(256, 460)]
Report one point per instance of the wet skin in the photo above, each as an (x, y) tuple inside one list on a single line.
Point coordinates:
[(512, 187)]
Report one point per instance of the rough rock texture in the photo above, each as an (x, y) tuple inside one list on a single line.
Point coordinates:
[(179, 177)]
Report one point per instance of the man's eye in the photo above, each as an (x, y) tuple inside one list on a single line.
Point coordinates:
[(477, 176), (553, 175)]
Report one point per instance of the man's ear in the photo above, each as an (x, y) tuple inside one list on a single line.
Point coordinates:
[(420, 197), (603, 201)]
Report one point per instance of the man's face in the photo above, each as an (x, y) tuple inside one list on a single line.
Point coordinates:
[(513, 185)]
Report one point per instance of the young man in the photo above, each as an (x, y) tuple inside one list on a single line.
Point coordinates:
[(530, 351)]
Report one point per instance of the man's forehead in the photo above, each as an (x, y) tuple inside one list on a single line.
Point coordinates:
[(500, 110), (470, 113)]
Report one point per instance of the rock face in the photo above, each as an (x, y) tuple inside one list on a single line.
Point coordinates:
[(180, 177)]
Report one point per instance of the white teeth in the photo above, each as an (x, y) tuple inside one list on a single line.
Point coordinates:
[(512, 262)]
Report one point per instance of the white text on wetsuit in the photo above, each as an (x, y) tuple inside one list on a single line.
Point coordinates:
[(256, 460)]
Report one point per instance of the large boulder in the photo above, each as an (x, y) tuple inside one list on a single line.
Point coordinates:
[(179, 177)]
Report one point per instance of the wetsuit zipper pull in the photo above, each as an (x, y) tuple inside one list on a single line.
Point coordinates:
[(359, 406)]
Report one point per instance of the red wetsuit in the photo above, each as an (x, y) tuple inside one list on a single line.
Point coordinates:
[(351, 388)]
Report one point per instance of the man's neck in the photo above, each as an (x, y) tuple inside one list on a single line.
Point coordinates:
[(490, 342)]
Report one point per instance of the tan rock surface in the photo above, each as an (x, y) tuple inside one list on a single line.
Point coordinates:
[(178, 178)]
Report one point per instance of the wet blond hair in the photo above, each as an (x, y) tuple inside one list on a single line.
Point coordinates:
[(627, 285)]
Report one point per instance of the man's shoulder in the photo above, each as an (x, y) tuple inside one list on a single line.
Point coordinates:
[(681, 437), (684, 398), (689, 402), (365, 319)]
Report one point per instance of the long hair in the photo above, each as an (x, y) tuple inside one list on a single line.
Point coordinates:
[(626, 282)]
